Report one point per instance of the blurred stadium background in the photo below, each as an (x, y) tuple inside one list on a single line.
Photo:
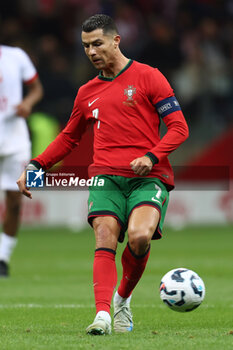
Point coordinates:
[(190, 41)]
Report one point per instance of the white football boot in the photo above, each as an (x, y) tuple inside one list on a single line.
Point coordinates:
[(101, 324), (123, 318)]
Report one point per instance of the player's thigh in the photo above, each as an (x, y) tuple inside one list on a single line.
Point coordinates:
[(147, 207), (143, 222), (11, 168)]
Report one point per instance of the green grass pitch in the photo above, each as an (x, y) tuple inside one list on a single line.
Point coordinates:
[(48, 301)]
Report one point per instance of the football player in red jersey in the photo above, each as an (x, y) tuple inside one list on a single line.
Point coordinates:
[(126, 103)]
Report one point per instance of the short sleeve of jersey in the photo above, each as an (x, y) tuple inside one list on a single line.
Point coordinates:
[(158, 88), (27, 69)]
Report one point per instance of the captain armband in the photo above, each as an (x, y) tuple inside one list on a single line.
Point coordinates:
[(167, 106)]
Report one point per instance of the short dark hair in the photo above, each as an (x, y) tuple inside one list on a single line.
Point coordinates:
[(99, 21)]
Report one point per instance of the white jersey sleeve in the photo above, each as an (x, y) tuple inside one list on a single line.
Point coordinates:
[(28, 71)]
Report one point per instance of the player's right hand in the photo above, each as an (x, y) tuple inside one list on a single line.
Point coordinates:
[(21, 182), (23, 109)]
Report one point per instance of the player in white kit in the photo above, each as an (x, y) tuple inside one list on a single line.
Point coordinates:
[(16, 68)]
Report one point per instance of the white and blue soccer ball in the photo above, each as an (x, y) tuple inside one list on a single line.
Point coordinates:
[(182, 290)]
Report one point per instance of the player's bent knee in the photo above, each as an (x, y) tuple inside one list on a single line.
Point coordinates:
[(139, 240), (142, 232)]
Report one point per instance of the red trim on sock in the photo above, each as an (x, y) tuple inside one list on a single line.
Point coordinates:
[(104, 279), (133, 268)]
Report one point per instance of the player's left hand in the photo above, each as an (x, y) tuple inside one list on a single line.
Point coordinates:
[(141, 166), (23, 109)]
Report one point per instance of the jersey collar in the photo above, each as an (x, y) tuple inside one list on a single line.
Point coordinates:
[(101, 77)]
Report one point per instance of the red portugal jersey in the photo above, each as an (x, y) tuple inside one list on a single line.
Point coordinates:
[(126, 112)]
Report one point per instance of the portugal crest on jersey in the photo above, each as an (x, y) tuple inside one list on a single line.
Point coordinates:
[(129, 92)]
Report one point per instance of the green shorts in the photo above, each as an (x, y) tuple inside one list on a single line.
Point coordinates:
[(120, 195)]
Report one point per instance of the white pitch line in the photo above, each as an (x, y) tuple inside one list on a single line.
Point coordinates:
[(40, 306), (81, 306)]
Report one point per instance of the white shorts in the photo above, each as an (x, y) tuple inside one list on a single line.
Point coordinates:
[(11, 167)]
